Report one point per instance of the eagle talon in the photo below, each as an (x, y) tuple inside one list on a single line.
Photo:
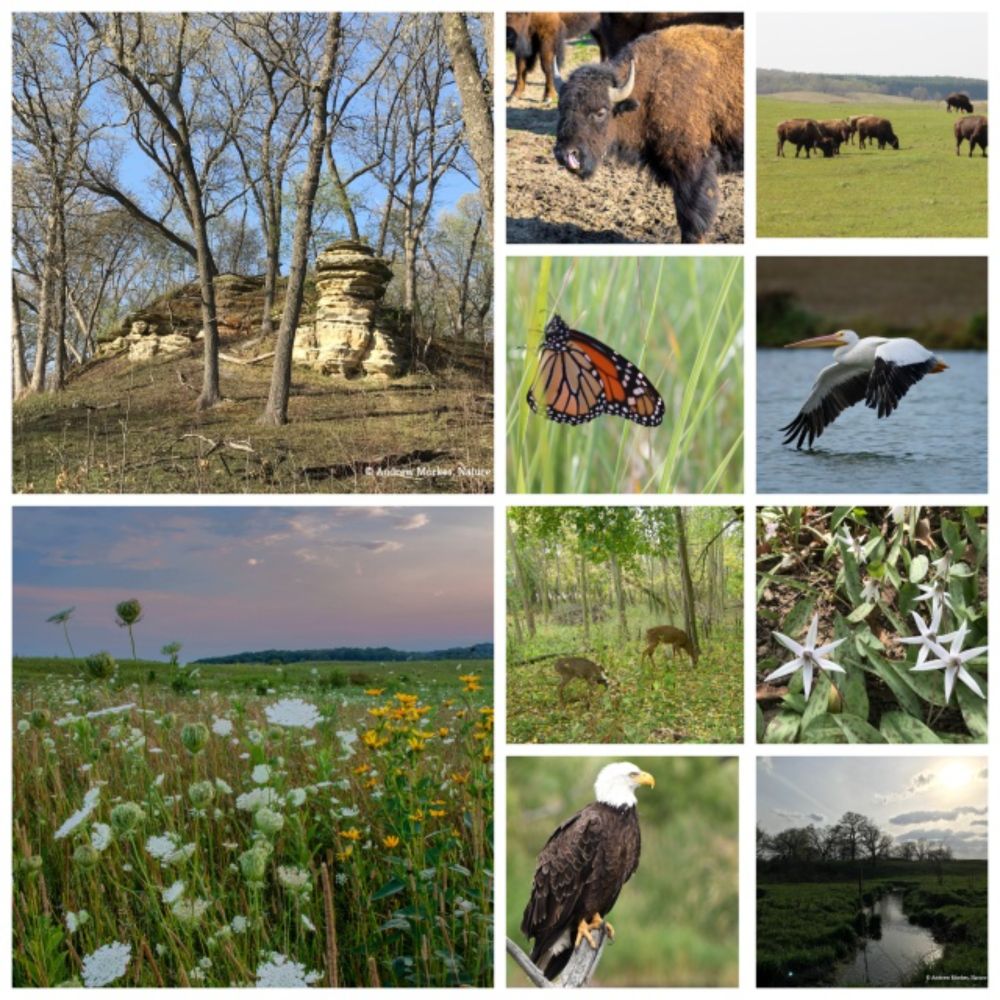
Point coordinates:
[(585, 927)]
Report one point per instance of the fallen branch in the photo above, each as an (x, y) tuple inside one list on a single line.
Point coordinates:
[(215, 445), (245, 361), (579, 970)]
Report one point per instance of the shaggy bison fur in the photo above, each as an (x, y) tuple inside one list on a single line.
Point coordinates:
[(879, 129), (803, 133), (972, 128), (617, 30), (542, 37), (671, 102), (837, 130), (958, 101)]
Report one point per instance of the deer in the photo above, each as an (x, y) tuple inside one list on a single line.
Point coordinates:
[(570, 667), (667, 635)]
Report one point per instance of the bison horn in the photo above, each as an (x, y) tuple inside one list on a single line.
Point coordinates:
[(618, 94)]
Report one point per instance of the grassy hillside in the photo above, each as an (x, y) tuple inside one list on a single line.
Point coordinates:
[(132, 427), (921, 189)]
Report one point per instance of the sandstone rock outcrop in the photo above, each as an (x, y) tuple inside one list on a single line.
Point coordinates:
[(351, 334)]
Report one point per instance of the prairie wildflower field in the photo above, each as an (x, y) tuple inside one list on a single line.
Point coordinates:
[(328, 825)]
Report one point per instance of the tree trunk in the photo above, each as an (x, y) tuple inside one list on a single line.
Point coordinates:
[(584, 597), (687, 588), (272, 268), (210, 394), (44, 304), (59, 358), (477, 104), (522, 585), (616, 578), (17, 338), (276, 411)]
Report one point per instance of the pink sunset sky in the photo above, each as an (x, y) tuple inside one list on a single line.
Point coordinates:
[(230, 579)]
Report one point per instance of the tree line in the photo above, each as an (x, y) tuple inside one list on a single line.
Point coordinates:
[(917, 88), (853, 837), (153, 148)]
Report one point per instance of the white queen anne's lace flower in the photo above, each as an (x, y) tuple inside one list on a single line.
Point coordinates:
[(222, 727), (293, 713), (90, 801), (108, 963), (281, 972)]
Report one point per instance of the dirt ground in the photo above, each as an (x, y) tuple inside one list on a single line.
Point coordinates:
[(618, 204)]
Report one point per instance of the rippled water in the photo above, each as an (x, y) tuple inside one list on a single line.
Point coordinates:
[(893, 958), (935, 442)]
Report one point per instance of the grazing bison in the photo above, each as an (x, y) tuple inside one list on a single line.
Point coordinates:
[(803, 133), (853, 124), (837, 130), (960, 102), (672, 102), (617, 30), (542, 37), (973, 128), (879, 129)]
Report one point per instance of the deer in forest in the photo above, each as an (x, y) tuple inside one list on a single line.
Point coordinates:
[(570, 667), (667, 635)]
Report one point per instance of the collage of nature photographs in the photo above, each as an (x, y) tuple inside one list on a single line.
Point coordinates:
[(466, 529)]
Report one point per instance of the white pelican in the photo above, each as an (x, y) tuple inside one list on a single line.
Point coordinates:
[(874, 369)]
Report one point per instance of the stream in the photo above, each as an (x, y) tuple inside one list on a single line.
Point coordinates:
[(892, 958)]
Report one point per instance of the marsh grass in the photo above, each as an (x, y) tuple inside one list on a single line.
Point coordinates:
[(680, 320), (385, 812)]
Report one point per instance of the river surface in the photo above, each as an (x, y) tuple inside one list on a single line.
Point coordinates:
[(935, 442), (895, 956)]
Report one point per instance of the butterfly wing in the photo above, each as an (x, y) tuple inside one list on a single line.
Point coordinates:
[(568, 384), (627, 391)]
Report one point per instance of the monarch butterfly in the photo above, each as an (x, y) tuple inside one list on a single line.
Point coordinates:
[(580, 378)]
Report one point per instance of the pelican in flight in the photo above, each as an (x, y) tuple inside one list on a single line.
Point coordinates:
[(874, 369)]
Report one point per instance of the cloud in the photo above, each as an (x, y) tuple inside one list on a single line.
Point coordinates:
[(798, 817), (936, 815), (919, 783), (253, 562), (961, 843), (414, 522)]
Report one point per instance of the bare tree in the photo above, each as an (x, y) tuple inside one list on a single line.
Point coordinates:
[(276, 411), (475, 86)]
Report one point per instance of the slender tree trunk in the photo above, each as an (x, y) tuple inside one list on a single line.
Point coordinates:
[(522, 585), (687, 588), (584, 597), (210, 394), (45, 297), (477, 103), (276, 411), (59, 359), (272, 266), (17, 338), (616, 579)]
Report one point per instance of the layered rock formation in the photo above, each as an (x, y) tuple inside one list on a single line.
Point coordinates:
[(351, 334)]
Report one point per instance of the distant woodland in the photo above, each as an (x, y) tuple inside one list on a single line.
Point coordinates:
[(918, 88)]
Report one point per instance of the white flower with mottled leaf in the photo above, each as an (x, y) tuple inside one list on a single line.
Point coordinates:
[(952, 661), (808, 657)]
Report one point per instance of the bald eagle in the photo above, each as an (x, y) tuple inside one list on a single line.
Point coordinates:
[(582, 869)]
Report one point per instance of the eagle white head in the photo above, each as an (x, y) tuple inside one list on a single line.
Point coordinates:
[(616, 784)]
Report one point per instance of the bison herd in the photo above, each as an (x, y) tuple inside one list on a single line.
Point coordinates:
[(828, 136), (667, 96)]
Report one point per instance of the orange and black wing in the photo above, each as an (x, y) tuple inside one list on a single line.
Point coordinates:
[(580, 378)]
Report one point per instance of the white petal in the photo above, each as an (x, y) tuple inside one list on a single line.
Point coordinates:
[(784, 671), (789, 644), (949, 683), (969, 681), (958, 638), (910, 639), (921, 625), (828, 648), (830, 665), (971, 654), (813, 630), (807, 678), (930, 665)]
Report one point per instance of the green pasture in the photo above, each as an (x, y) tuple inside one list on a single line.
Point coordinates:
[(921, 189)]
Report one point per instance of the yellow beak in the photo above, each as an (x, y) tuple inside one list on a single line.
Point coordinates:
[(645, 779), (827, 340)]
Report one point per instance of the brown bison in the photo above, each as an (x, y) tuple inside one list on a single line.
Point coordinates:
[(960, 102), (617, 30), (803, 133), (972, 128), (837, 130), (879, 129), (853, 124), (671, 102), (542, 37)]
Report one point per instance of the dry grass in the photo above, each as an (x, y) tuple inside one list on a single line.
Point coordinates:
[(122, 427)]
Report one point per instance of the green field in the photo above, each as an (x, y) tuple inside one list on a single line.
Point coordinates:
[(921, 189), (805, 928)]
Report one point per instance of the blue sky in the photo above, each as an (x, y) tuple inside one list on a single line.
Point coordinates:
[(227, 579), (911, 798), (874, 44)]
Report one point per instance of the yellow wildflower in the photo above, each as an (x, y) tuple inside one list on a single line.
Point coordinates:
[(374, 692), (352, 834), (345, 853), (437, 813), (390, 842)]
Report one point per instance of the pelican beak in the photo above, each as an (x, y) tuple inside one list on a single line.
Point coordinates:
[(939, 366), (827, 340), (642, 778)]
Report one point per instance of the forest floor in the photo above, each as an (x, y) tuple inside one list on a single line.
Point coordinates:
[(132, 427), (618, 204), (670, 701)]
